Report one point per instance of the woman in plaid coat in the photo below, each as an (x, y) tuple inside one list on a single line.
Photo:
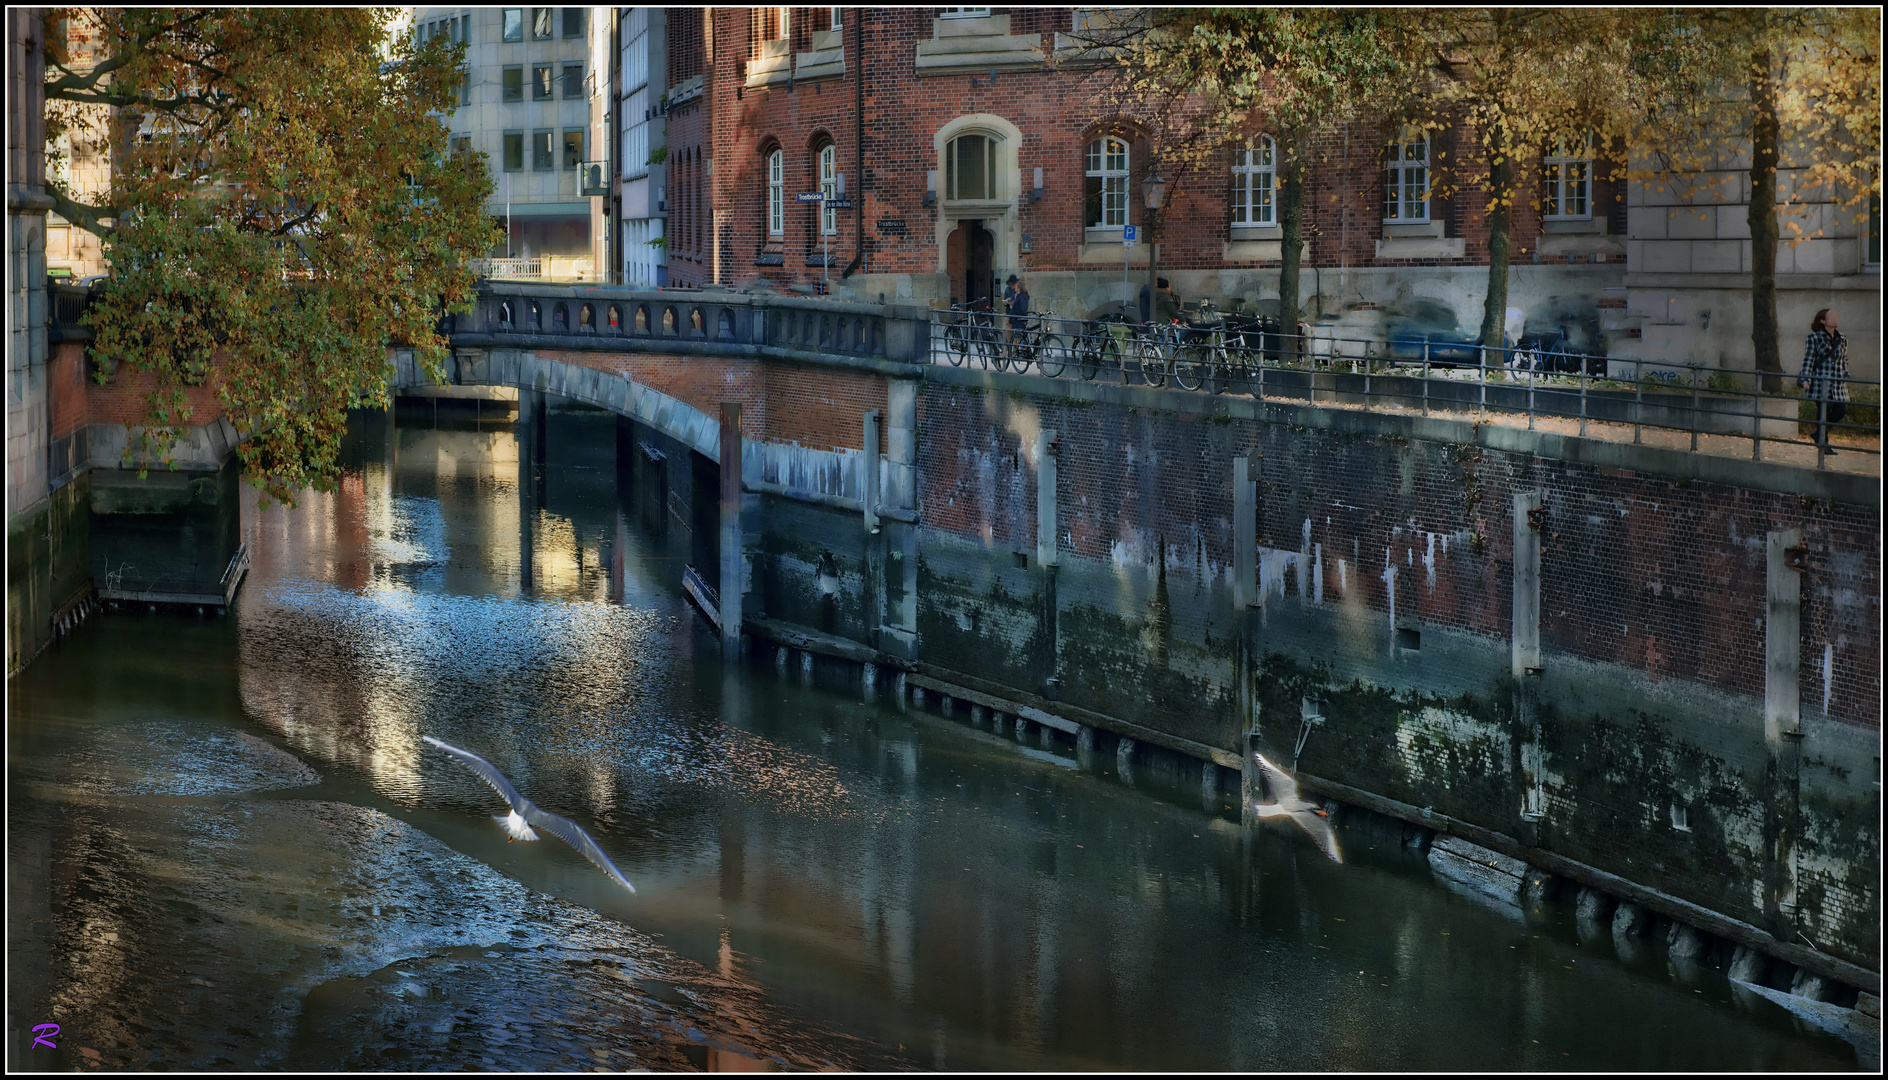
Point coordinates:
[(1826, 373)]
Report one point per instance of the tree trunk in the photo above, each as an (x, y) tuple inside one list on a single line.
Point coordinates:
[(1763, 219), (1500, 229), (1291, 220)]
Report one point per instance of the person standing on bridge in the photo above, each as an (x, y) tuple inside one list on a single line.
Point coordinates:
[(1826, 374), (1016, 306)]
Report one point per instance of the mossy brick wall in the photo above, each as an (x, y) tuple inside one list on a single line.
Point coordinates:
[(1652, 624)]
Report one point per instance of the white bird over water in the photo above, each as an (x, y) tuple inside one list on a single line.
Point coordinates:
[(525, 813), (1287, 803)]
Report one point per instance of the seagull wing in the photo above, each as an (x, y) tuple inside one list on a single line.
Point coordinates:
[(1284, 788), (485, 770), (1321, 831), (572, 833)]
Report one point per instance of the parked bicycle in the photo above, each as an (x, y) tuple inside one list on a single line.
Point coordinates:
[(1099, 346), (971, 334), (1032, 340)]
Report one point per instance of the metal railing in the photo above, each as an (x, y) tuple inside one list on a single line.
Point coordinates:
[(537, 268), (1540, 380)]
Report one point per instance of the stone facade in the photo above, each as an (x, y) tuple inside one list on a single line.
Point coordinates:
[(29, 555), (1688, 254)]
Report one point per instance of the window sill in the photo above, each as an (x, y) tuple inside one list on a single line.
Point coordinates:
[(972, 46), (1397, 230), (1096, 234), (1573, 225), (1421, 247), (1257, 232), (1112, 254), (1243, 251)]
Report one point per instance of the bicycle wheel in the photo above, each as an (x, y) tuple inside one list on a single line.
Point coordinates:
[(1188, 369), (981, 347), (1155, 358), (956, 344), (1053, 353), (1089, 354)]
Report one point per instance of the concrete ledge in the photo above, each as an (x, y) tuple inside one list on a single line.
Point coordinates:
[(1847, 488), (1685, 911)]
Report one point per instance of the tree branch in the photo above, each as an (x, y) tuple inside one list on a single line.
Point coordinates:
[(85, 217)]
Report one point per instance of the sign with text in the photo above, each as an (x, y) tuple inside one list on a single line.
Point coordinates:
[(1127, 236), (809, 196)]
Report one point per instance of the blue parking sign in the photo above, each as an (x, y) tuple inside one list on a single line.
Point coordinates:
[(1127, 236)]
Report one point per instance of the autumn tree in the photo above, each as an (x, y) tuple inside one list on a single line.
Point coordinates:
[(281, 211), (1520, 82), (1779, 89), (1211, 80)]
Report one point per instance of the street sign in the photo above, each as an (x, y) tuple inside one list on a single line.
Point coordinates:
[(1127, 236), (839, 204), (809, 196)]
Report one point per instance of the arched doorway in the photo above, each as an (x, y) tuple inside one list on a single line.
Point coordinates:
[(971, 263)]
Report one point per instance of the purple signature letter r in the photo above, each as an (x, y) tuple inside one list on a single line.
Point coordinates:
[(46, 1039)]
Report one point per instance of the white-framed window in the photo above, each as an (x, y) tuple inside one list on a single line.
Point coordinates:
[(1567, 174), (829, 187), (1255, 184), (963, 13), (776, 193), (838, 23), (1105, 187), (1406, 182), (970, 168)]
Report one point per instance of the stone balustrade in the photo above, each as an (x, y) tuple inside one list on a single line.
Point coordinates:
[(708, 322)]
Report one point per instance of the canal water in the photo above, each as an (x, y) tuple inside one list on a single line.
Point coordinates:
[(228, 847)]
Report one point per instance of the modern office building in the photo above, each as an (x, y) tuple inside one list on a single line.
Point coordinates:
[(642, 166), (535, 101)]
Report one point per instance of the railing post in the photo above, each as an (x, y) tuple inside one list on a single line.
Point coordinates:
[(1694, 408), (1756, 420), (1585, 378), (1531, 377), (1638, 397), (1481, 352), (1425, 378)]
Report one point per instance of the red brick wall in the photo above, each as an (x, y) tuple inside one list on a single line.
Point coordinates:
[(809, 406), (1057, 114), (66, 389), (1655, 574), (122, 400)]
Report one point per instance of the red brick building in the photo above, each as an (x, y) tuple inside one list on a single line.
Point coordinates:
[(967, 155)]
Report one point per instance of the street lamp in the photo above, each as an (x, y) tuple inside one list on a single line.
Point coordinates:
[(1154, 196)]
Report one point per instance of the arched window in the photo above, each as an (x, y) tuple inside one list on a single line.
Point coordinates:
[(1106, 187), (1254, 182), (970, 168), (829, 187), (776, 193), (1406, 182)]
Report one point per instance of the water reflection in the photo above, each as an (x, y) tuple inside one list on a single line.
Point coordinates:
[(834, 881)]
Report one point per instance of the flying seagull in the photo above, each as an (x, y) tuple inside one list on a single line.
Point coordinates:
[(1288, 803), (525, 813)]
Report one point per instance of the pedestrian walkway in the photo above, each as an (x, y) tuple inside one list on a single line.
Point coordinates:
[(1855, 453)]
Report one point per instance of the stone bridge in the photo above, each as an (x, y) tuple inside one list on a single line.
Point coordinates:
[(669, 360)]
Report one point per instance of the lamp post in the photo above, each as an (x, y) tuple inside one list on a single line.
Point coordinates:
[(1154, 195)]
